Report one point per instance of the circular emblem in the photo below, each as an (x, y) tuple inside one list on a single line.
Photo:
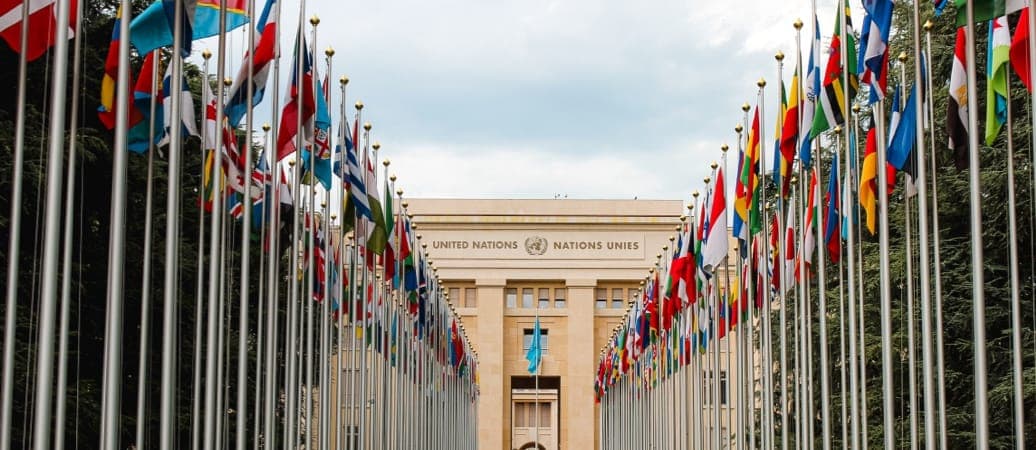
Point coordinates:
[(535, 245)]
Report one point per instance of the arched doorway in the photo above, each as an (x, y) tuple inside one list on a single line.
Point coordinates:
[(532, 445)]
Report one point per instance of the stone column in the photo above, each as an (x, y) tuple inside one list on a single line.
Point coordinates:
[(490, 336), (582, 425)]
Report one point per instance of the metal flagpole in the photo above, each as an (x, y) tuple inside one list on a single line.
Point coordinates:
[(922, 231), (766, 413), (781, 254), (66, 264), (273, 271), (854, 375), (888, 404), (940, 381), (210, 435), (268, 332), (975, 200), (13, 245), (111, 391), (907, 221), (246, 234), (1016, 313), (145, 290), (196, 415)]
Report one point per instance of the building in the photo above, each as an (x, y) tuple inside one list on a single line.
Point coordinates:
[(575, 264)]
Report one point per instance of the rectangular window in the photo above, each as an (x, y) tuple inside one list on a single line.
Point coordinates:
[(469, 298), (544, 418), (511, 298), (521, 413), (559, 298), (455, 296), (602, 298), (544, 299), (618, 299), (527, 338), (722, 387), (527, 298)]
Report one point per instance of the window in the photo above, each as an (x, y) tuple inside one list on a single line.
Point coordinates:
[(544, 299), (527, 298), (455, 295), (559, 298), (511, 297), (531, 414), (722, 387), (618, 299), (527, 338), (602, 298), (469, 298)]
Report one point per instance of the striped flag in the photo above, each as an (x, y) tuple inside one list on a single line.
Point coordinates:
[(832, 107)]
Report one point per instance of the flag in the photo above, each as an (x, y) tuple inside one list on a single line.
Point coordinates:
[(322, 142), (998, 55), (535, 352), (986, 9), (261, 58), (745, 203), (186, 106), (42, 25), (957, 104), (790, 133), (355, 176), (832, 104), (832, 219), (1020, 50), (812, 87), (904, 135), (874, 52), (809, 243), (147, 89), (377, 235), (390, 246), (790, 247), (300, 91), (107, 111), (153, 28), (716, 236), (781, 160)]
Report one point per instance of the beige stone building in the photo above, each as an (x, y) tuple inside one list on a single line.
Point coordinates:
[(575, 264)]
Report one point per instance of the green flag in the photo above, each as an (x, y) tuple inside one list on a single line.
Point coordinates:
[(986, 9)]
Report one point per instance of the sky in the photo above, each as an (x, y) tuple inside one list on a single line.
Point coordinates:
[(544, 98)]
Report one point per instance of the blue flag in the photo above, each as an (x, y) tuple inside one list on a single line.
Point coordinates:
[(535, 351)]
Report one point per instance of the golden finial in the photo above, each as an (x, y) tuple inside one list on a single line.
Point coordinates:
[(399, 192), (291, 163), (323, 204), (794, 179), (384, 162), (424, 245), (367, 127), (334, 216), (797, 24), (228, 81), (902, 57), (714, 165), (690, 207), (266, 127), (838, 129), (376, 145), (314, 20), (206, 54), (344, 80), (405, 203), (671, 239), (745, 107), (651, 270), (359, 105), (856, 108), (329, 52), (677, 227), (695, 194), (928, 25), (738, 128), (411, 216), (723, 148), (418, 236), (708, 180), (779, 56), (683, 218), (392, 178), (761, 83)]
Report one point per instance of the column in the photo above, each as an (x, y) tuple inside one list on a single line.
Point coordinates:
[(582, 426), (490, 336)]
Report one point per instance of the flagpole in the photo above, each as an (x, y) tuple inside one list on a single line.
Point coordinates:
[(210, 438), (940, 381), (66, 265), (14, 241), (246, 234), (269, 227), (782, 250), (857, 414), (1016, 313), (200, 274), (273, 271), (145, 289), (888, 405), (111, 390), (975, 200)]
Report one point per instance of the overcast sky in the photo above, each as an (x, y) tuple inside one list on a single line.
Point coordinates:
[(537, 98)]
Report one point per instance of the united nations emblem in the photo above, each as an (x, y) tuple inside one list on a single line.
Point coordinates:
[(535, 245)]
